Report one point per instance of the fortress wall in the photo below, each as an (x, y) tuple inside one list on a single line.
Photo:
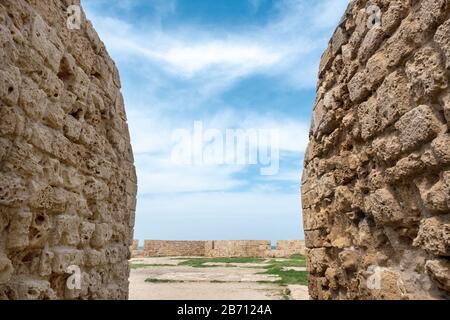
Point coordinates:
[(162, 248), (67, 179), (219, 248), (286, 248), (237, 248), (376, 183)]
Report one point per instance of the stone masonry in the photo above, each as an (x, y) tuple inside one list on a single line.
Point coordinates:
[(67, 179), (162, 248), (376, 184), (242, 248), (218, 248)]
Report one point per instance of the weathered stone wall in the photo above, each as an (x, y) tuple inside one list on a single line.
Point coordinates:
[(376, 184), (163, 248), (67, 180), (237, 248), (286, 248), (218, 248)]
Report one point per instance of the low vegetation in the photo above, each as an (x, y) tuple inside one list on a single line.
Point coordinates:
[(200, 262), (154, 280), (146, 265), (276, 267)]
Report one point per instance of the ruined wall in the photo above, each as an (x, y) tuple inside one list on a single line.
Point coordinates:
[(376, 184), (67, 180), (162, 248), (237, 248), (286, 248), (219, 248)]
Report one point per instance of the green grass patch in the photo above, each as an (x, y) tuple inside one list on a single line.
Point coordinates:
[(145, 265), (289, 276), (276, 266), (286, 294), (200, 262), (153, 280)]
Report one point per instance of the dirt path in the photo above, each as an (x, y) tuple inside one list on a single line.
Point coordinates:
[(169, 281)]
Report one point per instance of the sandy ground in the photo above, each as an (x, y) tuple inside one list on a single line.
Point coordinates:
[(235, 282)]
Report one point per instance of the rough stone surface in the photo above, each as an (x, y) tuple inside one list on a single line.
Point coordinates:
[(67, 179), (376, 184), (219, 248)]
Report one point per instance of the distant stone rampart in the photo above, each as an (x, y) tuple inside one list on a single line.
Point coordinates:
[(218, 248)]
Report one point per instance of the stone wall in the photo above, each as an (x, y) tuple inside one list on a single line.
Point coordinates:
[(237, 248), (67, 180), (376, 184), (286, 248), (162, 248), (218, 248)]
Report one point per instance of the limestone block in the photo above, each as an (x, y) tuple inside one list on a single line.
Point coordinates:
[(52, 170), (45, 263), (439, 271), (40, 229), (52, 199), (405, 168), (95, 189), (54, 116), (101, 235), (434, 235), (6, 268), (72, 128), (392, 18), (317, 260), (441, 148), (442, 37), (367, 114), (349, 259), (12, 121), (384, 207), (32, 99), (71, 179), (387, 148), (393, 99), (42, 138), (431, 13), (18, 230), (32, 289), (357, 87), (46, 42), (94, 258), (403, 42), (12, 190), (416, 127), (425, 72), (63, 258), (10, 85), (370, 44), (66, 230), (315, 238), (339, 38), (437, 198), (315, 220), (86, 231)]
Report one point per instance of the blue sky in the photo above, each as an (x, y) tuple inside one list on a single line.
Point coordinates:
[(231, 64)]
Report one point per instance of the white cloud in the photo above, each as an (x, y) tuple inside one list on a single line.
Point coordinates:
[(151, 137), (288, 46), (186, 66)]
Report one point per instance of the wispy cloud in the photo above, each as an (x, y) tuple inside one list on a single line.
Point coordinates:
[(173, 76)]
